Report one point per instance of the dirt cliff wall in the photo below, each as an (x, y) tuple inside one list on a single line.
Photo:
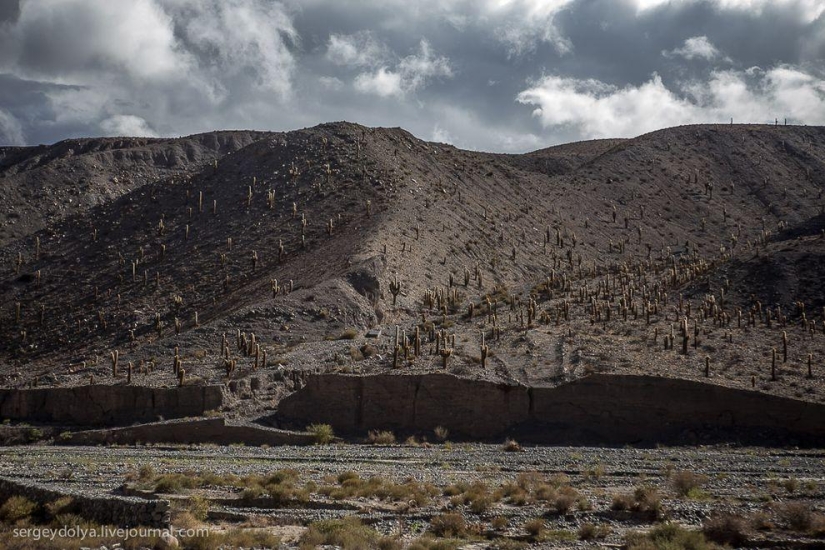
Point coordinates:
[(605, 409), (99, 405)]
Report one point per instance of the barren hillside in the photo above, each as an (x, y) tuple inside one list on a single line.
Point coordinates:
[(569, 260)]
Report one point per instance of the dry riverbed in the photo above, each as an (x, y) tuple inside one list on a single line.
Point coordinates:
[(450, 495)]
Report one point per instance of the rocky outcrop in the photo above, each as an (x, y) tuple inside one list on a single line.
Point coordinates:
[(108, 405), (606, 409)]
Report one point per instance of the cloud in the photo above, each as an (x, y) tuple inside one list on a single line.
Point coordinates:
[(85, 67), (358, 50), (411, 73), (381, 82), (698, 47), (11, 131), (805, 10), (127, 125), (162, 61), (599, 110)]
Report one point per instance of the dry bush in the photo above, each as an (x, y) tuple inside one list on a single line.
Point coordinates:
[(687, 484), (668, 536), (16, 509), (534, 527), (448, 525), (726, 529), (591, 531), (512, 446), (643, 500), (441, 433), (383, 437), (347, 533), (321, 433), (796, 515)]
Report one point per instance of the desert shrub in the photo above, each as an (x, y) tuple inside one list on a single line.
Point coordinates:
[(591, 531), (534, 527), (347, 533), (499, 522), (566, 497), (512, 446), (17, 508), (175, 483), (791, 485), (643, 500), (198, 507), (381, 437), (146, 473), (321, 433), (668, 536), (448, 525), (441, 433), (761, 521), (430, 543), (726, 529), (688, 484), (348, 334), (796, 515), (63, 505), (368, 350), (233, 538)]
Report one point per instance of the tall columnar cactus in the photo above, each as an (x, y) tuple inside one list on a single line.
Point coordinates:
[(395, 289), (784, 346), (115, 356)]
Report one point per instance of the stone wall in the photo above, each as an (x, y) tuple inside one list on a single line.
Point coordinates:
[(200, 430), (107, 405), (103, 509), (605, 409)]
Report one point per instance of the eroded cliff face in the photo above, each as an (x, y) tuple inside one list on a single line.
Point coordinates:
[(101, 405), (603, 409)]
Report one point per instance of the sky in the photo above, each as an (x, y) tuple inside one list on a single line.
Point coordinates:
[(492, 75)]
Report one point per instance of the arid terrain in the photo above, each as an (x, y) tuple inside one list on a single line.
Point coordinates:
[(267, 264)]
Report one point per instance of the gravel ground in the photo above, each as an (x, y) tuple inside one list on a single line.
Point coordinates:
[(741, 481)]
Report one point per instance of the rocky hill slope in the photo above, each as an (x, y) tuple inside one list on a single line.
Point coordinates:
[(591, 257)]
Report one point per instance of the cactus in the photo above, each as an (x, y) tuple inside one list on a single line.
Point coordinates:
[(181, 377), (395, 289), (129, 369), (784, 347), (707, 366), (485, 350), (254, 260), (810, 369), (115, 356), (445, 354)]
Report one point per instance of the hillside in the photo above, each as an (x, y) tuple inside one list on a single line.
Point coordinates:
[(570, 260)]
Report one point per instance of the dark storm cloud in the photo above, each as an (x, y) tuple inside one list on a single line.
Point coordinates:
[(491, 74)]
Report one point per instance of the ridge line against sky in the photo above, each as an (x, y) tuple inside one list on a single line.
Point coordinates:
[(497, 75)]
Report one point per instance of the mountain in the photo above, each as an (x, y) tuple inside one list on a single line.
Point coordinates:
[(583, 251)]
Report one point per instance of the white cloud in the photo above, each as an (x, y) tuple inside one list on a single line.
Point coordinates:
[(440, 135), (11, 131), (237, 38), (598, 110), (70, 41), (698, 47), (358, 50), (410, 74), (127, 125), (331, 82), (522, 24), (807, 10), (381, 82)]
